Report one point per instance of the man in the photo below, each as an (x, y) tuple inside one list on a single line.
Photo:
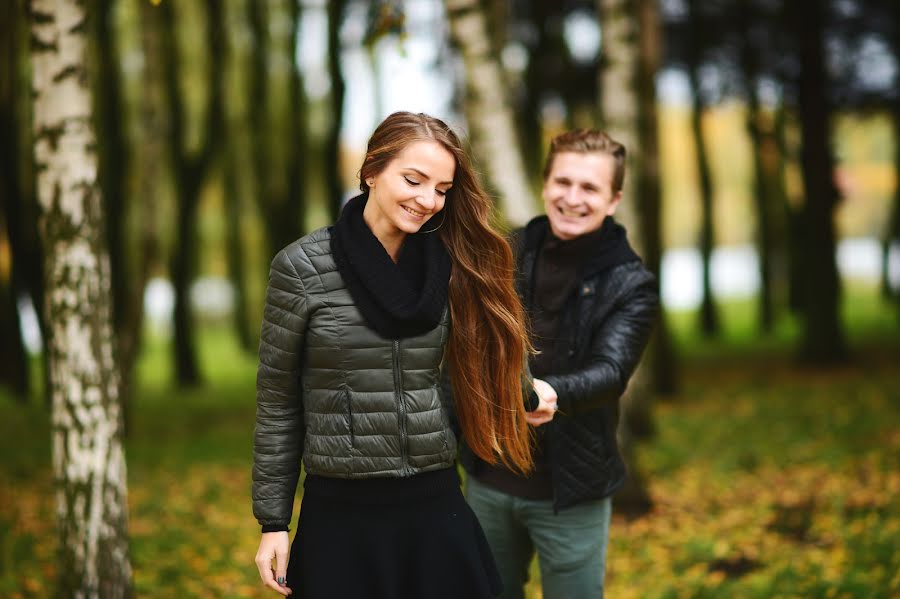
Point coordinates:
[(591, 305)]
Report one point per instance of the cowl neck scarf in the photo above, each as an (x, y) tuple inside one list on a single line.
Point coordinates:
[(397, 300)]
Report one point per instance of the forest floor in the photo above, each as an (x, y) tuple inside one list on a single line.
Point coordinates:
[(768, 479)]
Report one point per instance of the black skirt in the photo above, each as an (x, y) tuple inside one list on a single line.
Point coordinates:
[(390, 538)]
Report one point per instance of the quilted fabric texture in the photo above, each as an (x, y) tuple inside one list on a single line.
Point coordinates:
[(334, 393)]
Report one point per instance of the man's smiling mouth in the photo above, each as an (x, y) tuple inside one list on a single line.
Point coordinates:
[(570, 213)]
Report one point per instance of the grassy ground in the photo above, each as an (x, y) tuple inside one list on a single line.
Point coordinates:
[(769, 480)]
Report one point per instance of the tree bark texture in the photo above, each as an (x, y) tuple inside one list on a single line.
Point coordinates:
[(488, 112), (823, 336), (88, 457)]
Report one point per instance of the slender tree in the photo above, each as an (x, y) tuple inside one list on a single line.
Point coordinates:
[(488, 111), (115, 158), (189, 169), (333, 180), (285, 221), (628, 105), (892, 231), (709, 314), (234, 156), (762, 196), (823, 337), (88, 457), (13, 368), (280, 176)]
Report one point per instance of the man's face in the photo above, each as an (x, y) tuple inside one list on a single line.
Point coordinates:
[(578, 193)]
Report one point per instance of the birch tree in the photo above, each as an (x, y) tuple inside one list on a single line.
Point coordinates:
[(88, 458), (488, 111), (631, 50)]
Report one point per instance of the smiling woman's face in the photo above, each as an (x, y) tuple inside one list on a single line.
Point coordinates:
[(410, 190), (578, 193)]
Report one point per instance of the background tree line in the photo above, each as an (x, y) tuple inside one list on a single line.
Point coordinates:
[(205, 128)]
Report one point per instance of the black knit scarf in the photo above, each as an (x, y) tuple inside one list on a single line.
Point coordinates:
[(398, 300)]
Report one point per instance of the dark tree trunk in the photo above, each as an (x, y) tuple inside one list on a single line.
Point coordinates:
[(892, 231), (234, 211), (530, 124), (281, 211), (823, 336), (762, 193), (334, 181), (14, 366), (709, 316), (189, 173), (113, 155), (649, 197), (286, 220), (259, 123)]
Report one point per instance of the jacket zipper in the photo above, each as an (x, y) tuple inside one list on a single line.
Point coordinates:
[(398, 389)]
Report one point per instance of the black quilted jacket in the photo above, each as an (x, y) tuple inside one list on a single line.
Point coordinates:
[(607, 322)]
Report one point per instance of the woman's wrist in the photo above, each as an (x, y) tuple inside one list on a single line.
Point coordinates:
[(275, 528)]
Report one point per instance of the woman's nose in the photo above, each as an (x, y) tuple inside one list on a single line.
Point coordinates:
[(428, 199)]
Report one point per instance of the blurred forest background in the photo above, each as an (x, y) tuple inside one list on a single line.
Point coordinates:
[(762, 430)]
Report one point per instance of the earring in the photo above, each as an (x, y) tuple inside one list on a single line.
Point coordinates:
[(443, 218)]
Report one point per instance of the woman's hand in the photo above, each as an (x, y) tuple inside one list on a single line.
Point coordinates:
[(274, 545), (546, 409)]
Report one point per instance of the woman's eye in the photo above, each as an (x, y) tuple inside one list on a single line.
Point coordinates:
[(411, 182), (442, 193)]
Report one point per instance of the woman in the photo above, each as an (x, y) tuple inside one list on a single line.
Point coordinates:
[(358, 320)]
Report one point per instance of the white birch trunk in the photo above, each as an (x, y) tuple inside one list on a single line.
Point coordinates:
[(88, 459), (628, 55), (619, 98), (488, 112)]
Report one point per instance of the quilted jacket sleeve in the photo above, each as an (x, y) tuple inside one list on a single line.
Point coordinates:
[(278, 437), (616, 349)]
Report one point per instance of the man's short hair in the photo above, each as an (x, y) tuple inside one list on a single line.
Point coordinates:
[(587, 141)]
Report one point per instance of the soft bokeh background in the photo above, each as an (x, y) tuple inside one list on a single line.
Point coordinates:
[(765, 453)]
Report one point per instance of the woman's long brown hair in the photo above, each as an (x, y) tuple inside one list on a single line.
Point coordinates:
[(488, 344)]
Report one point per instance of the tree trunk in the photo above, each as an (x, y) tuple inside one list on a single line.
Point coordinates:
[(709, 315), (113, 154), (628, 105), (531, 124), (88, 457), (334, 181), (189, 173), (493, 134), (763, 194), (823, 336), (233, 124), (14, 366), (892, 231), (286, 221), (128, 283)]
